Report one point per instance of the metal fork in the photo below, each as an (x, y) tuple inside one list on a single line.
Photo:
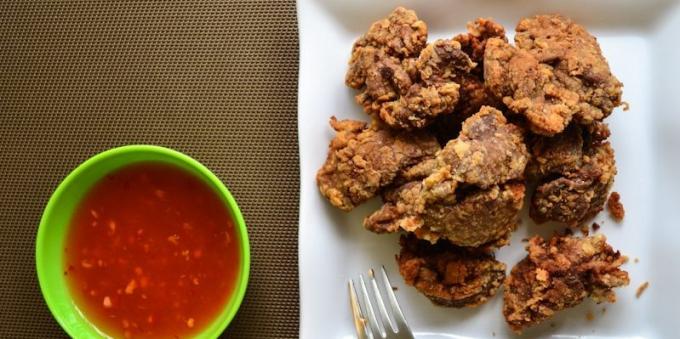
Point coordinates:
[(367, 324)]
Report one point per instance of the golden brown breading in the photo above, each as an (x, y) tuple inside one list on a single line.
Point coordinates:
[(473, 93), (560, 274), (362, 159), (474, 41), (556, 155), (443, 61), (384, 77), (420, 105), (449, 275), (575, 170), (488, 153), (528, 87), (577, 61), (399, 37), (402, 81), (401, 34), (471, 218), (555, 74), (615, 206)]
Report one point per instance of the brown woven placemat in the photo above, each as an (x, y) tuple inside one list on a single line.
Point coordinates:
[(216, 80)]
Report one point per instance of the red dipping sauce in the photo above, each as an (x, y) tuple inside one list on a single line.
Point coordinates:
[(151, 252)]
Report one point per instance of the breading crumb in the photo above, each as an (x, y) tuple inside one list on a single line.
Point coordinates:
[(641, 289), (615, 206), (636, 260), (590, 316), (625, 105), (604, 310), (596, 227), (585, 230)]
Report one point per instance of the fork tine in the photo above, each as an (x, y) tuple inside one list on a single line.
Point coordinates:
[(357, 315), (396, 310), (376, 328), (379, 300)]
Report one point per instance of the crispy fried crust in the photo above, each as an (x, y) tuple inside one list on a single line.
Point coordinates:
[(560, 274), (577, 61), (401, 34), (449, 275), (488, 154), (362, 159), (473, 93), (559, 154), (488, 151), (555, 74), (470, 219), (474, 41), (576, 170), (403, 81), (615, 206)]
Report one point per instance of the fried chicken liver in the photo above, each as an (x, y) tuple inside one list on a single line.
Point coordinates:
[(403, 81), (473, 93), (467, 194), (560, 274), (449, 275), (575, 170), (362, 159), (555, 74)]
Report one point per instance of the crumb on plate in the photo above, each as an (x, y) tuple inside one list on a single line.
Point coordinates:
[(615, 206), (641, 289)]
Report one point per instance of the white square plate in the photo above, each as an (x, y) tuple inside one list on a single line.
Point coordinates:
[(640, 40)]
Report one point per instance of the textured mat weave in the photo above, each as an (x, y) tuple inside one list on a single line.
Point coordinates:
[(216, 80)]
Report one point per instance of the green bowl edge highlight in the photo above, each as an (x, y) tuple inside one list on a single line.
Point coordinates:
[(64, 311)]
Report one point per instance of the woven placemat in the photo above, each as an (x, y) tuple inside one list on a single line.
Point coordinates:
[(216, 80)]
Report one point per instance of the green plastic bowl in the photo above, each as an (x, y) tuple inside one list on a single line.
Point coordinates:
[(49, 247)]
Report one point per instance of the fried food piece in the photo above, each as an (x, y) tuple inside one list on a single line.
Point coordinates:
[(473, 93), (575, 170), (401, 34), (484, 210), (488, 151), (433, 92), (615, 206), (528, 87), (449, 275), (362, 159), (383, 77), (420, 105), (560, 274), (403, 81), (577, 61), (555, 74), (559, 154), (474, 42), (442, 61), (476, 217)]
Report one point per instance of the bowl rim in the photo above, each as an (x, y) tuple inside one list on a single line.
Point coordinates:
[(219, 324)]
